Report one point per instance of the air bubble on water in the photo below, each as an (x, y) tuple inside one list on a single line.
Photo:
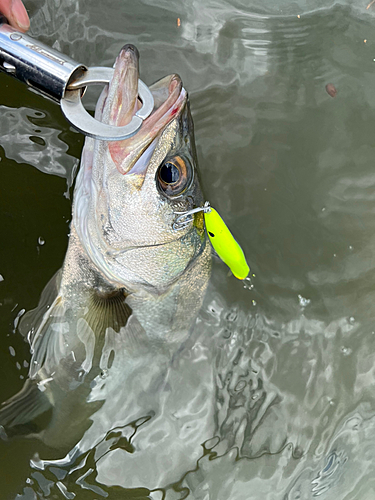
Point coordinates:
[(211, 443), (332, 402), (352, 320), (303, 302), (240, 386), (29, 481), (350, 247), (247, 283), (232, 316), (323, 209), (335, 255), (346, 350), (41, 241)]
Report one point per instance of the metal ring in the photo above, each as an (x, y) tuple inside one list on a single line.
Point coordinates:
[(76, 114)]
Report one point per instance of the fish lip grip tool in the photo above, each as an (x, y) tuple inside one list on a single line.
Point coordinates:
[(64, 80)]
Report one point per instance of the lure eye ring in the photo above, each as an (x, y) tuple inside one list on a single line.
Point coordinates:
[(184, 218), (174, 176)]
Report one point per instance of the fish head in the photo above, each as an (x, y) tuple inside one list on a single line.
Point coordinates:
[(129, 193)]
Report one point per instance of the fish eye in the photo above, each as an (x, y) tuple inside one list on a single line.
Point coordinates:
[(173, 176), (169, 173)]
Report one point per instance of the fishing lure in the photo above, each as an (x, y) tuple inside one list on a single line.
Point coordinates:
[(220, 237)]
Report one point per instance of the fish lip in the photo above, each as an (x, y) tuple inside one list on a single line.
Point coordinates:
[(128, 152), (119, 102), (129, 47)]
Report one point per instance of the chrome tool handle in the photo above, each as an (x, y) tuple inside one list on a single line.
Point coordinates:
[(36, 64), (64, 80)]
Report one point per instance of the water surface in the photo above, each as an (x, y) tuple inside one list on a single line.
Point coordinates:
[(287, 361)]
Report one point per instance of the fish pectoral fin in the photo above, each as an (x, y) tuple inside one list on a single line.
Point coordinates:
[(108, 325), (113, 321), (18, 413), (76, 341), (107, 311)]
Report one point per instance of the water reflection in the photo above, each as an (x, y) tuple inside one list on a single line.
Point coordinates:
[(289, 381), (26, 140), (266, 404)]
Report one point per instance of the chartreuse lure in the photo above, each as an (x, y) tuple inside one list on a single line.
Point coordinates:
[(220, 237)]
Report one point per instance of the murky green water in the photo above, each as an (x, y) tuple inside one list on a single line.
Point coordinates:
[(290, 363)]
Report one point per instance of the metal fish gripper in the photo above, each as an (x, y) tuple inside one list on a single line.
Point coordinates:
[(62, 79)]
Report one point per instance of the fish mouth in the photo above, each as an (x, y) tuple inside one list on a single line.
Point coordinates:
[(120, 102)]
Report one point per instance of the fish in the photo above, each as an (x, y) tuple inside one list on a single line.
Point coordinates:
[(109, 324)]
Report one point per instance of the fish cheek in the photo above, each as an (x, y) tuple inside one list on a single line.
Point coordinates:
[(113, 206), (103, 216)]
